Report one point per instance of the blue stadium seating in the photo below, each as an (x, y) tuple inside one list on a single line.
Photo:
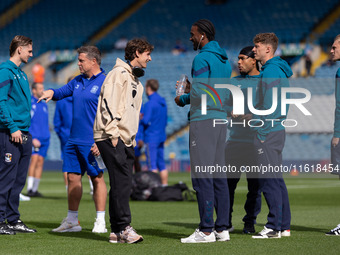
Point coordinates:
[(328, 37), (236, 22), (5, 4), (61, 24)]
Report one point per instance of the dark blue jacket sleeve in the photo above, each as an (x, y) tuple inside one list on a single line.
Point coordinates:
[(57, 120), (147, 114)]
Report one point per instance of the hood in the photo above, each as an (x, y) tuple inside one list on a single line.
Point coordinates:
[(282, 64), (214, 47), (121, 63), (157, 98), (8, 65)]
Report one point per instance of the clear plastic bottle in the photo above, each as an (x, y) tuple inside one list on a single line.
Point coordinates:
[(100, 162), (182, 83)]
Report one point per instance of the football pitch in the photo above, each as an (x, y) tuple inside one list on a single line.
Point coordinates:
[(315, 207)]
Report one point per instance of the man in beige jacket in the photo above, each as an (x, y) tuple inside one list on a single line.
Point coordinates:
[(115, 129)]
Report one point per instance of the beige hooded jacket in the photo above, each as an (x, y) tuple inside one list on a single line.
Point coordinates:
[(119, 105)]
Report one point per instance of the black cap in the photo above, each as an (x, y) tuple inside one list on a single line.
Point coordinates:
[(248, 51)]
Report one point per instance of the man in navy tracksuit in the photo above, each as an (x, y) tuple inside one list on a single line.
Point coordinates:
[(270, 137), (16, 141), (62, 121), (40, 139), (240, 151), (80, 150), (154, 122), (207, 143), (335, 146)]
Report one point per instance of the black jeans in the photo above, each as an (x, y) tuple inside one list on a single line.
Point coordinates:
[(119, 163)]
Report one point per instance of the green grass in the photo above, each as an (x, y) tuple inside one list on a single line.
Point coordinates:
[(314, 204)]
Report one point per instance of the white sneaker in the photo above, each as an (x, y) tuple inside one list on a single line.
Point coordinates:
[(199, 237), (267, 233), (223, 236), (285, 233), (129, 235), (334, 232), (99, 226), (67, 226), (24, 198)]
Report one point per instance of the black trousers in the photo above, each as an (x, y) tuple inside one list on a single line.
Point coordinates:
[(14, 161), (119, 163)]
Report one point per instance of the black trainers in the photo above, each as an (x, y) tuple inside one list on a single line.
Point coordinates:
[(248, 228), (37, 194), (31, 193), (334, 232), (19, 226), (5, 230)]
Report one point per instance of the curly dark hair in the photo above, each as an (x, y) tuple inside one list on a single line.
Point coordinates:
[(137, 44)]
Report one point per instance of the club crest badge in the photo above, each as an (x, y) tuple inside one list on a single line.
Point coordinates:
[(94, 89), (8, 157)]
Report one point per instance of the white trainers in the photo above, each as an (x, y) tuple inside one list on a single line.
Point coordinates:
[(114, 237), (67, 226), (24, 198), (129, 235), (285, 233), (334, 232), (99, 226), (199, 237), (223, 236), (267, 233)]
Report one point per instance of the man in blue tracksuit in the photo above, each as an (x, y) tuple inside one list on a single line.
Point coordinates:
[(16, 141), (80, 150), (40, 139), (270, 136), (335, 146), (207, 142), (154, 122), (240, 151), (62, 121)]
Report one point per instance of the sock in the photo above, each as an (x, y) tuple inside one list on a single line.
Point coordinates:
[(72, 216), (35, 184), (91, 184), (101, 215), (30, 180)]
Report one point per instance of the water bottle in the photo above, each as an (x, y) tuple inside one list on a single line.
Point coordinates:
[(100, 162), (182, 83)]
